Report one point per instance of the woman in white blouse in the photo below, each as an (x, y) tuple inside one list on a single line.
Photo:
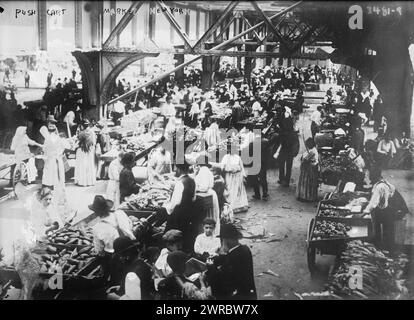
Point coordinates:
[(204, 180), (385, 151)]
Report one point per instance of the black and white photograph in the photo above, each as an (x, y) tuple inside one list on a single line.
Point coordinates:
[(218, 151)]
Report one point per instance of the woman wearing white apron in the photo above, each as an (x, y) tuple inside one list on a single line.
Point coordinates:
[(204, 180), (53, 147), (85, 169)]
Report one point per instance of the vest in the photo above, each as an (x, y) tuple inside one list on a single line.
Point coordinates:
[(183, 214), (188, 193)]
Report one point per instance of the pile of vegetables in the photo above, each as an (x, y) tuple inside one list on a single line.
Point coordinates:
[(151, 199), (67, 259), (71, 236), (343, 199), (382, 276), (333, 212), (340, 167), (330, 229)]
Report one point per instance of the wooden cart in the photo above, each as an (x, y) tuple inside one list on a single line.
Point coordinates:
[(361, 229)]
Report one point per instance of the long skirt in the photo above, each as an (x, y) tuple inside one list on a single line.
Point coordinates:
[(307, 189), (113, 193), (54, 172), (85, 170), (237, 192)]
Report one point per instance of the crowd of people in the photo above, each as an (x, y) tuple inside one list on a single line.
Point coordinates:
[(134, 271)]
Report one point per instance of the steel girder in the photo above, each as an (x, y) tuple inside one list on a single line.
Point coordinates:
[(221, 46)]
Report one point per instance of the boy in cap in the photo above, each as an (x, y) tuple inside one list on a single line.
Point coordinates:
[(174, 242)]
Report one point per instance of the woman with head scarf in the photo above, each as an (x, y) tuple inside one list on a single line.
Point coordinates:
[(20, 145), (307, 189), (44, 214), (53, 147), (85, 170)]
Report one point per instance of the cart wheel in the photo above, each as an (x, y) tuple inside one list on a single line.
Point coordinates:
[(311, 251)]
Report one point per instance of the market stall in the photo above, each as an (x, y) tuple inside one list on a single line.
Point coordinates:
[(66, 255), (334, 225)]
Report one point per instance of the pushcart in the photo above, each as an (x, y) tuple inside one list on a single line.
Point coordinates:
[(361, 229), (16, 173)]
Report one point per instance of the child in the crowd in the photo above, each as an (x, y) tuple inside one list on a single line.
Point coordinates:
[(206, 244), (174, 242)]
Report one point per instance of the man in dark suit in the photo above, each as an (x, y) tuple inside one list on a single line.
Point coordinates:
[(231, 276)]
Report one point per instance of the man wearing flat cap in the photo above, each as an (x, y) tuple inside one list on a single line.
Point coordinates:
[(231, 276), (173, 240)]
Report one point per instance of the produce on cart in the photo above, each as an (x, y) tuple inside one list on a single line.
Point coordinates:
[(330, 229), (68, 260), (75, 235), (335, 224), (151, 196), (340, 167), (382, 276)]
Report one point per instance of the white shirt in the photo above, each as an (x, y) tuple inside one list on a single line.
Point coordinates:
[(207, 244), (195, 109), (176, 196), (70, 118), (161, 263), (168, 110), (387, 147), (114, 170), (119, 107), (316, 117), (382, 191), (106, 231), (158, 164), (204, 180), (256, 106)]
